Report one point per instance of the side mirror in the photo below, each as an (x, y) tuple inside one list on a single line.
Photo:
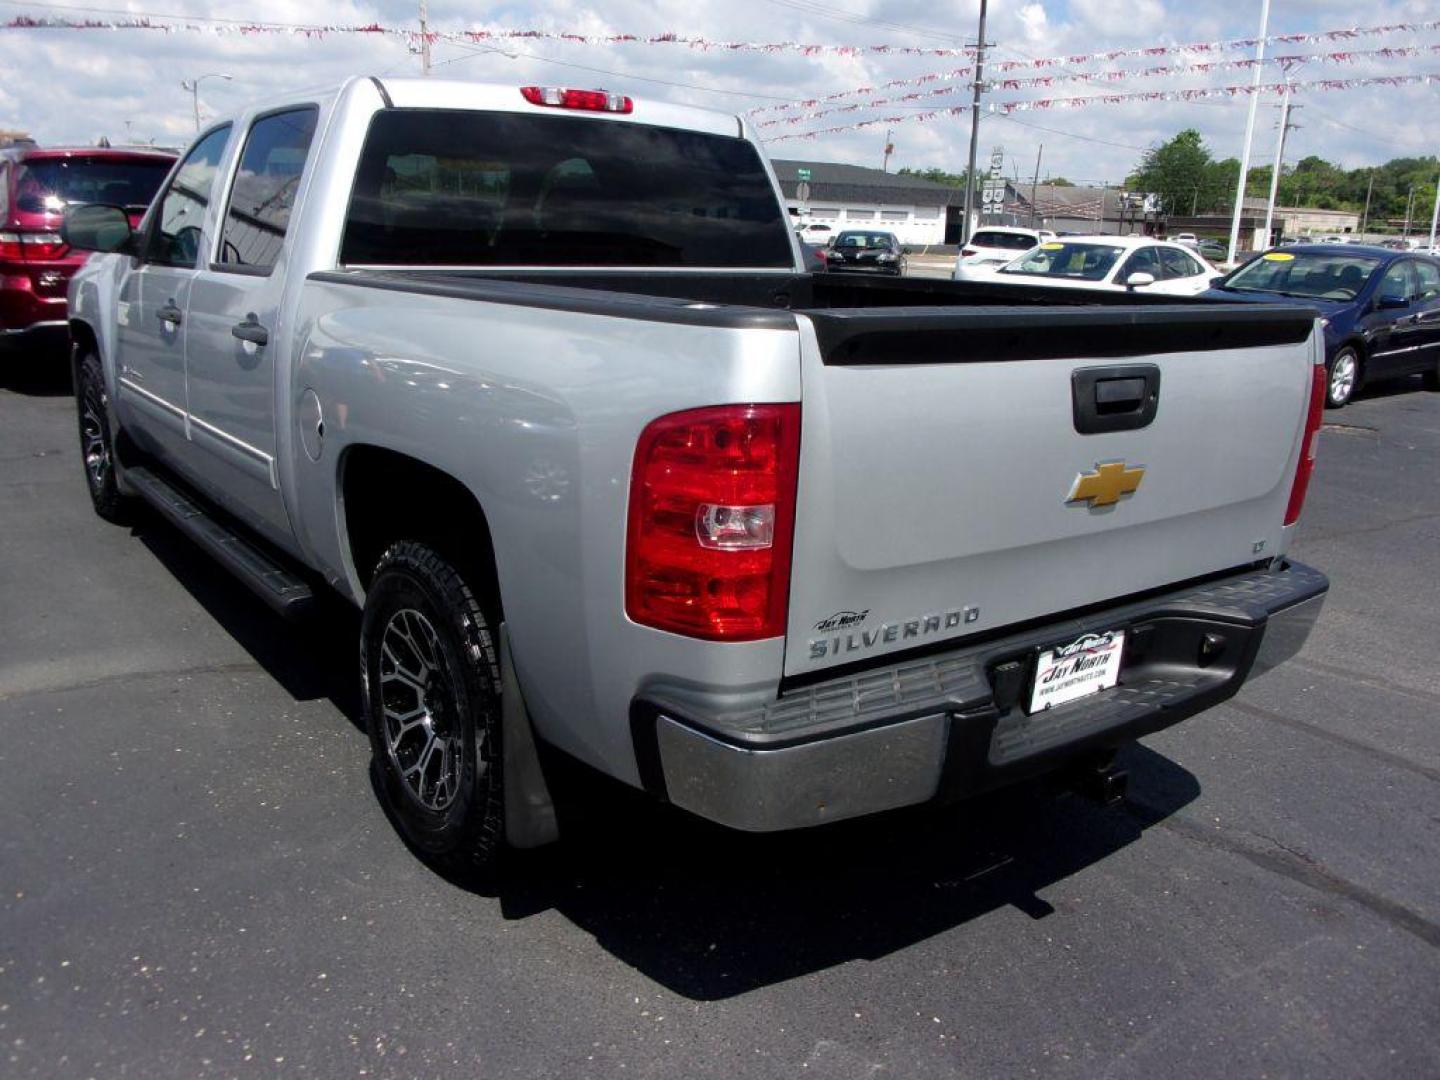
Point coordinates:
[(1391, 302), (1139, 279), (1215, 281), (97, 227)]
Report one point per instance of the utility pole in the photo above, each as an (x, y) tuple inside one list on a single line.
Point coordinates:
[(1409, 206), (979, 86), (1435, 214), (1285, 126), (889, 149), (1365, 217), (1249, 129), (424, 37), (1034, 182)]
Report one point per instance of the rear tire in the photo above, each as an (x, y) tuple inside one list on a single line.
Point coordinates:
[(97, 446), (431, 676), (1342, 376)]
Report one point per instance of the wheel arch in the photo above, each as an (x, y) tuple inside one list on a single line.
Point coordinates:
[(83, 339), (386, 496)]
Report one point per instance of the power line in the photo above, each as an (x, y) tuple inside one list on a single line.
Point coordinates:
[(1068, 134)]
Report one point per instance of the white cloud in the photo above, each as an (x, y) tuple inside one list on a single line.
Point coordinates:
[(76, 86)]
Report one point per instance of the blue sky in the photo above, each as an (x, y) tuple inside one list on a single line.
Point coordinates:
[(67, 86)]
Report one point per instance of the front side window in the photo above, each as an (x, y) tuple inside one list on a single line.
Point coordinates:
[(1396, 281), (1057, 259), (175, 233), (1145, 261), (462, 188), (263, 193)]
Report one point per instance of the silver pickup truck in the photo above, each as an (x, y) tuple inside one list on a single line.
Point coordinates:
[(536, 378)]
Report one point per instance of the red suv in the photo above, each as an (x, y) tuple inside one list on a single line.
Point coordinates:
[(36, 184)]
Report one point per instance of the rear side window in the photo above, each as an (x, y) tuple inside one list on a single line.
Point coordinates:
[(1427, 280), (459, 188), (1178, 264), (263, 193), (1006, 240)]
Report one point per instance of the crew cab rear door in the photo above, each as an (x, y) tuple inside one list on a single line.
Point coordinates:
[(963, 471), (234, 333)]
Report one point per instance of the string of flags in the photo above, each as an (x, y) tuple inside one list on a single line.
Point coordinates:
[(1109, 76), (492, 36), (1005, 108)]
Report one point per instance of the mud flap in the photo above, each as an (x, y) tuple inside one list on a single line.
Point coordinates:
[(529, 811)]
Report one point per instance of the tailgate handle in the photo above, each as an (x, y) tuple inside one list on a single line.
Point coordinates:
[(1114, 398)]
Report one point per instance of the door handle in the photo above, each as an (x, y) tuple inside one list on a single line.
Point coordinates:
[(169, 314), (251, 331)]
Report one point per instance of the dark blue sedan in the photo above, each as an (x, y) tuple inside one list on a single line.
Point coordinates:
[(1380, 308)]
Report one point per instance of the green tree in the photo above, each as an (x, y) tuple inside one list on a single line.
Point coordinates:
[(1180, 172)]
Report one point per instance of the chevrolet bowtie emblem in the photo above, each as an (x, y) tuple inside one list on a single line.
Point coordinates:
[(1106, 484)]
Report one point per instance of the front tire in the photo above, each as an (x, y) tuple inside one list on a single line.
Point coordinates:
[(431, 675), (97, 446), (1431, 378), (1342, 375)]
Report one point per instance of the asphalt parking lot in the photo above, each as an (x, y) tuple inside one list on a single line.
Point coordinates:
[(196, 880)]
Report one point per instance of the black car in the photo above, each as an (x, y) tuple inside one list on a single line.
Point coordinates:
[(873, 252), (1380, 308)]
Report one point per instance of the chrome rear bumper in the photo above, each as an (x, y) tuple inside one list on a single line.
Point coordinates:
[(951, 725)]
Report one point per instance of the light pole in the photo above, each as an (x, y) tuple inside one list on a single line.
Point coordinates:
[(193, 85), (1249, 131)]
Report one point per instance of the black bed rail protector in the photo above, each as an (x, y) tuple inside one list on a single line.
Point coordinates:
[(564, 297), (925, 335)]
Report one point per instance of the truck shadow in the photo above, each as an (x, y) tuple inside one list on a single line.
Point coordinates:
[(35, 374), (312, 660), (710, 914)]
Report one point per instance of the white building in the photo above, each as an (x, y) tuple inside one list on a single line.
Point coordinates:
[(917, 211)]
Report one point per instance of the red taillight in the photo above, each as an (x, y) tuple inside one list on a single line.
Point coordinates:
[(712, 514), (1308, 447), (965, 253), (559, 97), (31, 246)]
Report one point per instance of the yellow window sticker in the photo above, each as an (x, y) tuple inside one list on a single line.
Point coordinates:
[(1278, 256), (1051, 246)]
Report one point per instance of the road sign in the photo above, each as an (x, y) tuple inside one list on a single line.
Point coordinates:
[(802, 174), (802, 191)]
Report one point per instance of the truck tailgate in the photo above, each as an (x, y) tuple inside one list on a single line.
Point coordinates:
[(970, 470)]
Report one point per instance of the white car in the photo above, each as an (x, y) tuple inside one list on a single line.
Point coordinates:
[(1189, 239), (1113, 263), (991, 248)]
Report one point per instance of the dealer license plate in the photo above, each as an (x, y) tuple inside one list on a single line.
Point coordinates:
[(1086, 666)]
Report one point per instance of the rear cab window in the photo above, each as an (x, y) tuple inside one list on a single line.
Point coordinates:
[(439, 187), (46, 185), (1008, 241)]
